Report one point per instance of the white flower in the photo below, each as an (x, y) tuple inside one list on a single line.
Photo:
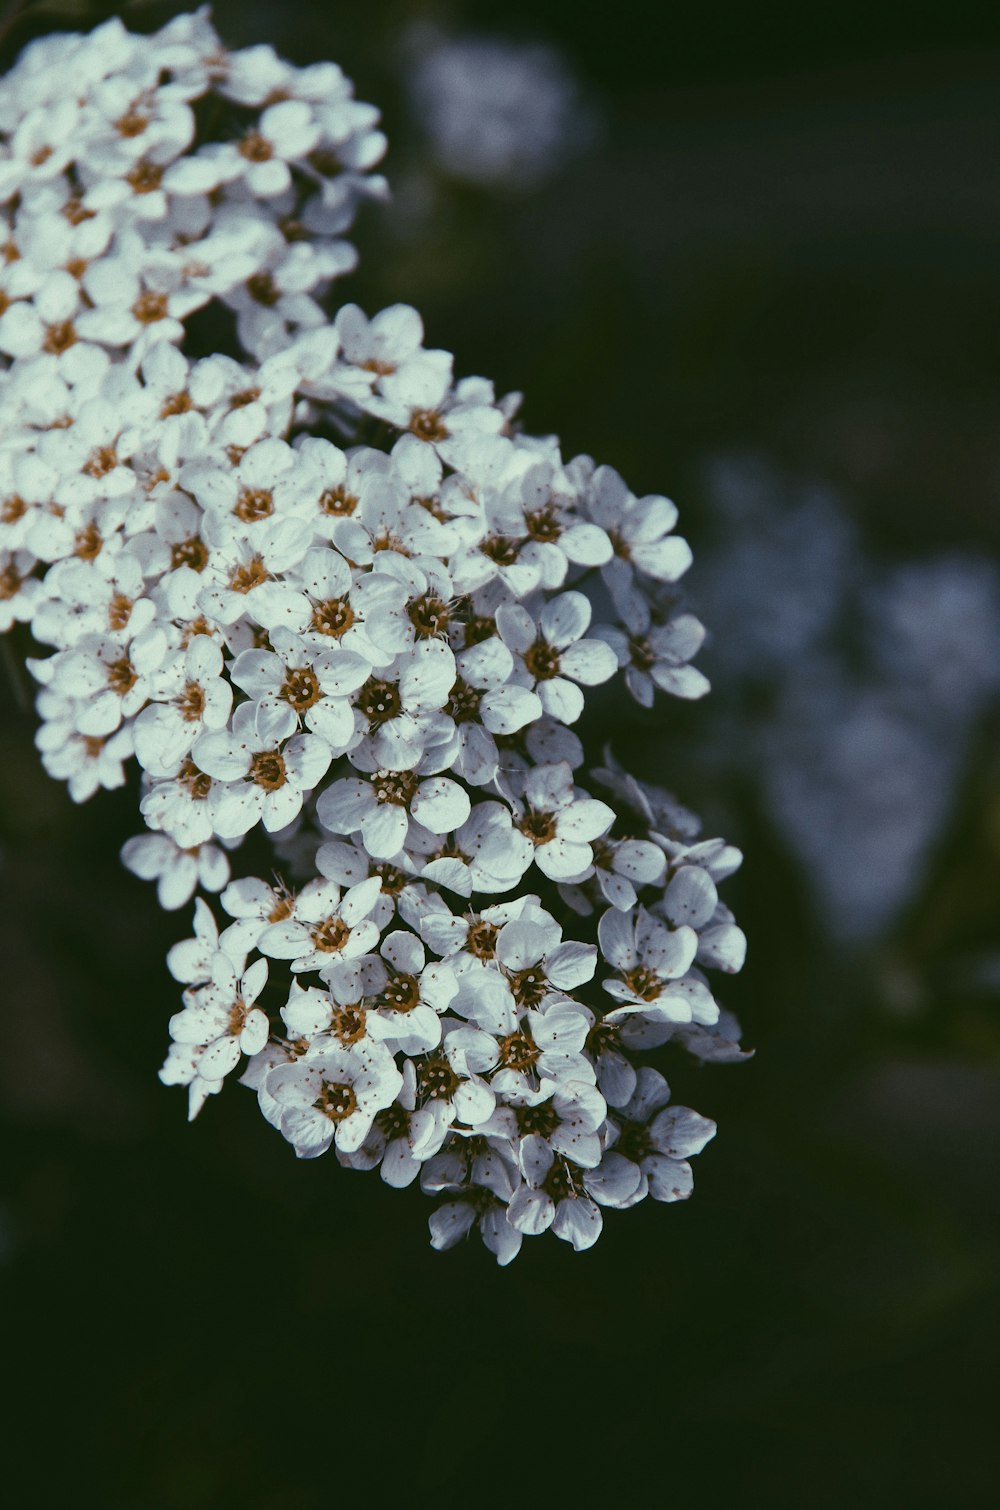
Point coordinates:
[(377, 807), (315, 685), (650, 958), (110, 681), (565, 1114), (406, 996), (240, 602), (333, 1096), (559, 1194), (177, 872), (640, 532), (220, 1018), (276, 770), (553, 657), (656, 654), (403, 1136), (561, 822), (483, 1174), (485, 853), (321, 925), (658, 1139), (453, 1074), (191, 695)]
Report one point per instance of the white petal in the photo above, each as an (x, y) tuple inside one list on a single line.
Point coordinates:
[(440, 805)]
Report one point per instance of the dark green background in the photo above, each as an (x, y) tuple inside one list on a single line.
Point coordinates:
[(787, 239)]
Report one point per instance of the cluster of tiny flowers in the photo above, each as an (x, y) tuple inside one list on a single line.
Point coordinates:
[(333, 594)]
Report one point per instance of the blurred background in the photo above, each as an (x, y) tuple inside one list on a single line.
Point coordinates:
[(749, 258)]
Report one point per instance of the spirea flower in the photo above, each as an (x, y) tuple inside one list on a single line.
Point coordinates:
[(374, 652)]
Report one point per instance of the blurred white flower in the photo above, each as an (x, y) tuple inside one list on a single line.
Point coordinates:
[(497, 113)]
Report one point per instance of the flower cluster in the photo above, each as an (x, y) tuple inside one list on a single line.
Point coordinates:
[(329, 593)]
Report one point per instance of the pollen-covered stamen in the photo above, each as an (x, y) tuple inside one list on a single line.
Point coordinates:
[(348, 1024), (74, 211), (283, 907), (333, 618), (393, 879), (542, 660), (539, 827), (301, 688), (88, 543), (603, 1038), (10, 582), (256, 148), (544, 524), (634, 1142), (325, 161), (529, 986), (393, 1122), (59, 337), (101, 461), (479, 629), (337, 501), (122, 676), (191, 702), (542, 1119), (463, 702), (481, 940), (402, 994), (93, 745), (429, 616), (177, 403), (145, 177), (200, 625), (619, 545), (238, 1016), (12, 509), (380, 369), (246, 577), (263, 289), (379, 701), (500, 549), (450, 849), (150, 307), (396, 787), (133, 123), (604, 854), (330, 936), (197, 782), (518, 1051), (643, 658), (119, 612), (336, 1101), (427, 424), (267, 769), (385, 540), (644, 983), (241, 400), (436, 1079), (564, 1181), (433, 506), (193, 553), (254, 504)]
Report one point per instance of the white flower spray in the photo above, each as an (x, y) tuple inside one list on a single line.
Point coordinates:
[(331, 592)]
